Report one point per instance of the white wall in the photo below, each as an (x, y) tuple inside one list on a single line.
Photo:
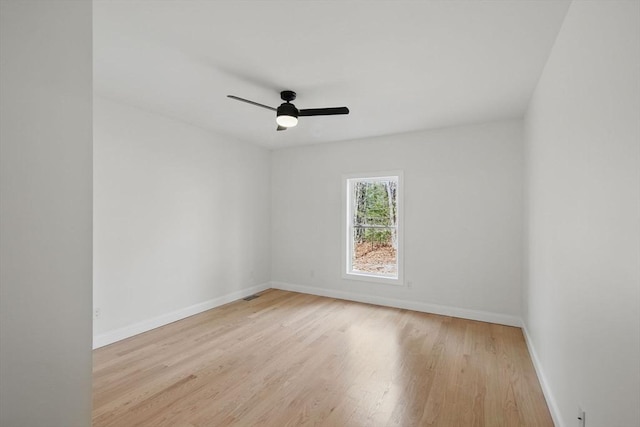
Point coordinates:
[(582, 299), (463, 218), (181, 218), (45, 213)]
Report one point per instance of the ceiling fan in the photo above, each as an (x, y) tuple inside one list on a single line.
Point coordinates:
[(287, 114)]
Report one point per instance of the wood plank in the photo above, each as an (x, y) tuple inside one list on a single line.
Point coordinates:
[(289, 359)]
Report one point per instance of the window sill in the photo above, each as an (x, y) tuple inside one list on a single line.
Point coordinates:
[(362, 277)]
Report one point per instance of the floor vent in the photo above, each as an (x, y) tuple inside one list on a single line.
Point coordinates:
[(250, 297)]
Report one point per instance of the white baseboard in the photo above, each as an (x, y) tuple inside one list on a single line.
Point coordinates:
[(146, 325), (483, 316), (546, 390)]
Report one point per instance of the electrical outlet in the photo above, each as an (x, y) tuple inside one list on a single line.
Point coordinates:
[(581, 417), (96, 313), (409, 284)]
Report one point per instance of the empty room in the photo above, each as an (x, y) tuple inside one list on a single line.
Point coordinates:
[(330, 213)]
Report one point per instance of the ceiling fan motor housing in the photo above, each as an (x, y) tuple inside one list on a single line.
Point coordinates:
[(286, 109)]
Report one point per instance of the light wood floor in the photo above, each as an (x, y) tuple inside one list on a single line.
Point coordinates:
[(289, 359)]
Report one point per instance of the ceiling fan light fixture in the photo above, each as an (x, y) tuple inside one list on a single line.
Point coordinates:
[(287, 121), (287, 115)]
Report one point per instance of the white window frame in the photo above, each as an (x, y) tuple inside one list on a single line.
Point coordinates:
[(347, 229)]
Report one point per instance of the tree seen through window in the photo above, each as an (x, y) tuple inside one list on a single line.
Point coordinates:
[(374, 227)]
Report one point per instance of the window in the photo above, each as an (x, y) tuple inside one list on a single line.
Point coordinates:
[(373, 227)]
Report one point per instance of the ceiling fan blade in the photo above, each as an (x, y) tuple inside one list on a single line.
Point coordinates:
[(323, 111), (237, 98), (281, 128)]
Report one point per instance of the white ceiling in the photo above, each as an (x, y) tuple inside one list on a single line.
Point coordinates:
[(399, 66)]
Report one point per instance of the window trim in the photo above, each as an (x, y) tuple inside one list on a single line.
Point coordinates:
[(346, 227)]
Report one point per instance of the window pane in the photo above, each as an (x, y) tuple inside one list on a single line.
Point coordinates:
[(374, 227)]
